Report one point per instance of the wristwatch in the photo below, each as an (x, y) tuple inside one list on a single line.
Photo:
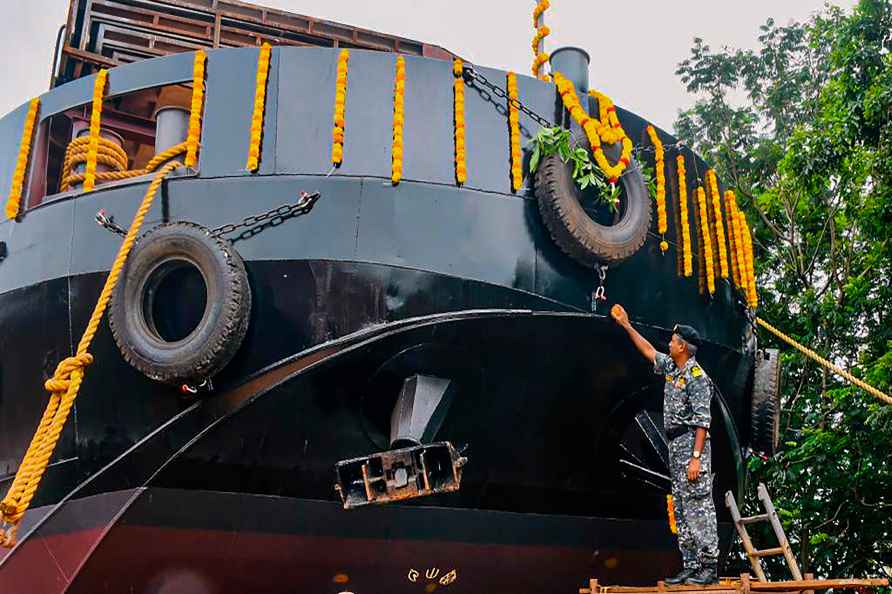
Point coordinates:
[(696, 454)]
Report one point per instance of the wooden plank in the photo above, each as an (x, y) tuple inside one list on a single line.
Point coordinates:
[(799, 585), (767, 552), (742, 586), (731, 504), (754, 519), (762, 493)]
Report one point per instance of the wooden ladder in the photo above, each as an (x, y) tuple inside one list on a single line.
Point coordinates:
[(770, 515)]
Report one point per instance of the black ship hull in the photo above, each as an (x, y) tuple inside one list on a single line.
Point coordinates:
[(558, 415)]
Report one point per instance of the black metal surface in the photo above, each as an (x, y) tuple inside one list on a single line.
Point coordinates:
[(420, 409)]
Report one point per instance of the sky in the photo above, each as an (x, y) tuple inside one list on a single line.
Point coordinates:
[(634, 51)]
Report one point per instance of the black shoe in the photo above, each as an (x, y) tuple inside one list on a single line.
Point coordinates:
[(680, 578), (703, 577)]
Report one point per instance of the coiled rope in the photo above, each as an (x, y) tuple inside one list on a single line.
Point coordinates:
[(66, 381), (113, 156)]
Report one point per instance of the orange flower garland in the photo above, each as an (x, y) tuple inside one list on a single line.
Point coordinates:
[(95, 122), (751, 295), (670, 511), (514, 133), (540, 58), (458, 87), (683, 212), (259, 108), (660, 173), (742, 273), (14, 201), (194, 137), (731, 217), (597, 130), (719, 225), (399, 91), (707, 242), (337, 133)]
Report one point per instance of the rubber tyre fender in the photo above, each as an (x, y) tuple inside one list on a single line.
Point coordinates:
[(224, 323), (576, 234), (765, 417)]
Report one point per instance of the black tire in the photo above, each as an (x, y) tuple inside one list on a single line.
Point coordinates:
[(765, 417), (157, 275), (574, 231)]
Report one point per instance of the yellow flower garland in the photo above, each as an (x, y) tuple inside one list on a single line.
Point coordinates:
[(707, 241), (742, 273), (259, 108), (540, 58), (719, 224), (95, 122), (458, 87), (670, 511), (606, 129), (659, 166), (514, 133), (194, 138), (683, 212), (731, 217), (14, 201), (399, 91), (751, 294), (337, 133)]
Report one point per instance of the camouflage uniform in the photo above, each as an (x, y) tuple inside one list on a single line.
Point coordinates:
[(686, 403)]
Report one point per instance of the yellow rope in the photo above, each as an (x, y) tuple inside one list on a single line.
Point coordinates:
[(399, 120), (707, 241), (540, 58), (458, 88), (514, 133), (66, 382), (110, 154), (193, 140), (13, 203), (337, 133), (683, 212), (719, 225), (259, 107), (825, 363), (95, 123)]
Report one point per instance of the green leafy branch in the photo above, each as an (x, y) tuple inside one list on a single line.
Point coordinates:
[(556, 141)]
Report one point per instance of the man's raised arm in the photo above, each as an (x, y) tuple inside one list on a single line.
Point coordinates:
[(622, 318)]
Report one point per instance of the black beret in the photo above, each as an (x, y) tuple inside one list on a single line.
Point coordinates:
[(688, 334)]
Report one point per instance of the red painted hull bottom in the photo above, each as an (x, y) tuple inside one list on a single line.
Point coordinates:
[(200, 542)]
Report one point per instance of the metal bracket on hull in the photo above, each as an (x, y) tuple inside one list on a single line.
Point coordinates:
[(401, 474)]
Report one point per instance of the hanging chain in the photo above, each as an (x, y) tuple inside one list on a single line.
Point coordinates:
[(471, 74), (600, 293), (271, 217)]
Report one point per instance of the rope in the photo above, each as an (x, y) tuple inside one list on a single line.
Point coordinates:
[(14, 201), (112, 155), (825, 363), (66, 382), (94, 140)]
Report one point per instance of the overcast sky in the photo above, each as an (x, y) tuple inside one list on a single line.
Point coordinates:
[(634, 51)]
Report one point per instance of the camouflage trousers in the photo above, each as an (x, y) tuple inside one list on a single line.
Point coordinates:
[(694, 506)]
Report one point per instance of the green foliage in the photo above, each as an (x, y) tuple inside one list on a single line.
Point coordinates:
[(809, 153), (556, 141)]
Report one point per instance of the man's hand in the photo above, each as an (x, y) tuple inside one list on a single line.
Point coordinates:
[(694, 469), (619, 314)]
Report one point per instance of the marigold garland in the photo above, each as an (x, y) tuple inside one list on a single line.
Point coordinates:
[(259, 108), (514, 133), (719, 224), (14, 201), (193, 139), (399, 91), (540, 58), (95, 121), (742, 273), (337, 133), (683, 212), (731, 217), (458, 87), (670, 511), (752, 296), (606, 129), (659, 166), (707, 241)]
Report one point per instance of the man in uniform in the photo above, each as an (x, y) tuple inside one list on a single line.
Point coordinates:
[(686, 418)]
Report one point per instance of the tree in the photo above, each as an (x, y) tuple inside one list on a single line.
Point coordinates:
[(809, 152)]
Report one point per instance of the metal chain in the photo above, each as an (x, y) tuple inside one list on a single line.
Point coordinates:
[(472, 74), (271, 217)]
